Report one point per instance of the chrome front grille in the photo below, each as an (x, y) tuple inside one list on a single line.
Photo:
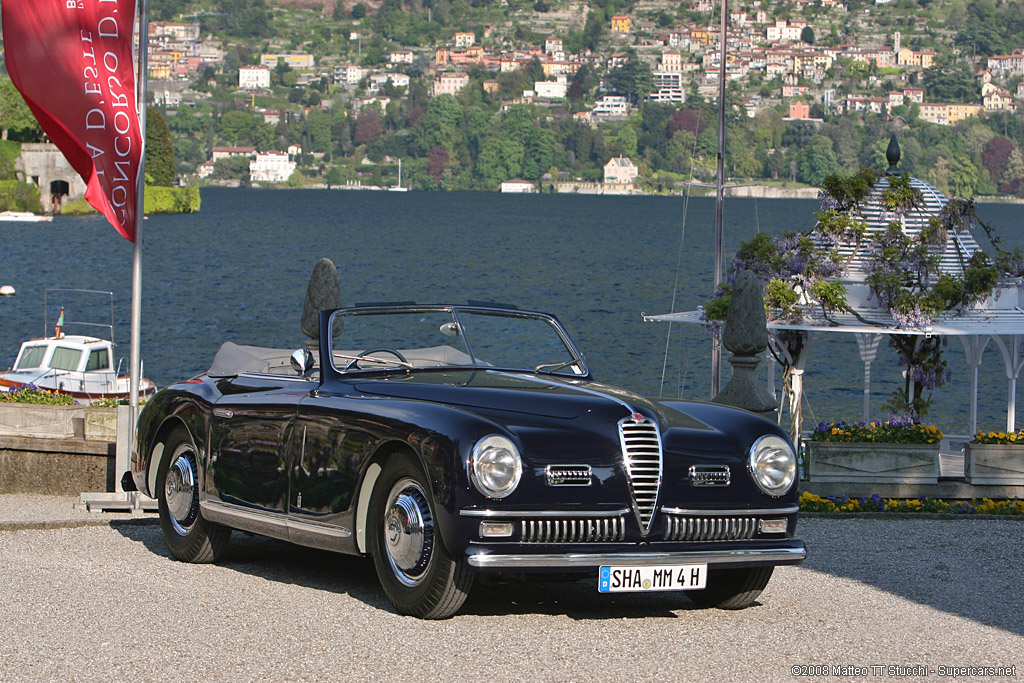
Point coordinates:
[(686, 528), (641, 452), (568, 475), (710, 475), (585, 530)]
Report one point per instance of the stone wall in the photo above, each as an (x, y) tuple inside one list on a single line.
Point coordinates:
[(60, 467)]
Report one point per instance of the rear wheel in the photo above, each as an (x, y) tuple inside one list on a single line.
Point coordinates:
[(416, 570), (189, 537), (732, 588)]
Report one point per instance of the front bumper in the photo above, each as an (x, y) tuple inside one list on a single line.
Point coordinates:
[(790, 552)]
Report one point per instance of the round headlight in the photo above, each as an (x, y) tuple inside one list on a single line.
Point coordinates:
[(773, 465), (495, 467)]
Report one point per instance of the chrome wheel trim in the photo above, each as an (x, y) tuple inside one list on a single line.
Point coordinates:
[(180, 492), (408, 527)]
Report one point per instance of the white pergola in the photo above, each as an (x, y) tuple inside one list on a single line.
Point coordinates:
[(998, 320), (976, 329)]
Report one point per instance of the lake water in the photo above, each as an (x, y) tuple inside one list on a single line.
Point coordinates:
[(238, 271)]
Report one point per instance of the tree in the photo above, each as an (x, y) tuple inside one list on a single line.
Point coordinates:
[(500, 159), (244, 18), (160, 164), (15, 116), (807, 35), (334, 175), (627, 138), (439, 124), (634, 78), (235, 127), (950, 80), (995, 157), (437, 162), (358, 10), (317, 129), (817, 160)]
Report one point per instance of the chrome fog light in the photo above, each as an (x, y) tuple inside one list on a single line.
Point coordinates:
[(495, 529), (772, 465), (773, 526), (495, 466)]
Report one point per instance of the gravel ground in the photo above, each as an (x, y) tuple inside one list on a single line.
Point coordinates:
[(105, 602)]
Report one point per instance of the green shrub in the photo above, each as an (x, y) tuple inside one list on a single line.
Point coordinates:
[(18, 196), (172, 199)]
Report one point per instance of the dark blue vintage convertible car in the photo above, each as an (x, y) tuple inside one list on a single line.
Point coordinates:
[(446, 441)]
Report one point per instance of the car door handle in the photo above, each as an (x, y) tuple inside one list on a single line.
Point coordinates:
[(223, 412)]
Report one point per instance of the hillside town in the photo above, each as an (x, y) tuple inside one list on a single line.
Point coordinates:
[(569, 97)]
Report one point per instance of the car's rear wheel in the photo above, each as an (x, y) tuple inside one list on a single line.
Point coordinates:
[(418, 573), (732, 588), (189, 537)]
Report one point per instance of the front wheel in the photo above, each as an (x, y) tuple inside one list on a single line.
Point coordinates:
[(189, 537), (416, 570), (732, 588)]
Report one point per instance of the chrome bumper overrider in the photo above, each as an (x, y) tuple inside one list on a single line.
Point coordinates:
[(762, 556)]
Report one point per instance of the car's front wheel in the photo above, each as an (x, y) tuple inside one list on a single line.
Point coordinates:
[(416, 570), (732, 588), (189, 537)]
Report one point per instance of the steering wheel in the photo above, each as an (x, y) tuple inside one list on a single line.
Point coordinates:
[(362, 356)]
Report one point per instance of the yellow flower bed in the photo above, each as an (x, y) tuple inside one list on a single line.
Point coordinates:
[(810, 502), (1016, 437)]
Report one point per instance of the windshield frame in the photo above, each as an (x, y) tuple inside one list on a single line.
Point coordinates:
[(331, 369)]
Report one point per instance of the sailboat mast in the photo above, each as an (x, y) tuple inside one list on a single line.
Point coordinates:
[(716, 348)]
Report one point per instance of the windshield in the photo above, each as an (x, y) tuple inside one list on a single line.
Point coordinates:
[(451, 337)]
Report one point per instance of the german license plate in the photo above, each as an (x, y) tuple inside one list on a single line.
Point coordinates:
[(669, 577)]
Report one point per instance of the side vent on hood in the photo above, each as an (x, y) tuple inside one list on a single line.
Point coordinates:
[(641, 454)]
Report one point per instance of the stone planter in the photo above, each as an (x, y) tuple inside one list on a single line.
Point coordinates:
[(994, 464), (41, 421), (100, 424), (873, 463)]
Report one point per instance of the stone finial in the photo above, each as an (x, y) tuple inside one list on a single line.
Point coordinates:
[(892, 155), (746, 337), (746, 325), (323, 292)]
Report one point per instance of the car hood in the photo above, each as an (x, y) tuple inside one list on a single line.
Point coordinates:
[(541, 395)]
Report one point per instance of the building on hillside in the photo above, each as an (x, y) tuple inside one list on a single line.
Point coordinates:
[(253, 77), (450, 83), (620, 171), (551, 90), (271, 167), (348, 74), (293, 61), (610, 107), (517, 186), (464, 39), (621, 23), (799, 111), (401, 57), (995, 98), (228, 152), (1007, 65)]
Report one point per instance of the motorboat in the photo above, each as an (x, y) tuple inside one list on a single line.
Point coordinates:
[(24, 217), (79, 365)]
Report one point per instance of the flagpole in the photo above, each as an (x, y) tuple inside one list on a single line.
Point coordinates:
[(135, 358)]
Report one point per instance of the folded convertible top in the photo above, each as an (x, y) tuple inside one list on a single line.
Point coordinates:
[(233, 359)]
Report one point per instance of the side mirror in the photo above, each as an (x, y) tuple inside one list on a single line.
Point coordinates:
[(451, 330), (302, 361)]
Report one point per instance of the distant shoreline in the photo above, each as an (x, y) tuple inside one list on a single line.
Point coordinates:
[(731, 192)]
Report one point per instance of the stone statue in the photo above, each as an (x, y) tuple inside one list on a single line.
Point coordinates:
[(746, 337), (323, 292)]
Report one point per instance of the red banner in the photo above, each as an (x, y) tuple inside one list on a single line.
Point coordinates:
[(73, 62)]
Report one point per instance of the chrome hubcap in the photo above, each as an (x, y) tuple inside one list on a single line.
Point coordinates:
[(408, 532), (180, 492)]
